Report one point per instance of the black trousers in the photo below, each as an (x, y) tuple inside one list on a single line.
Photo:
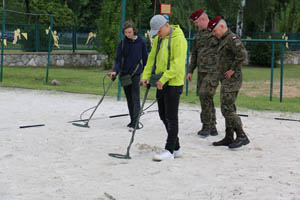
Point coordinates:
[(168, 104), (132, 93)]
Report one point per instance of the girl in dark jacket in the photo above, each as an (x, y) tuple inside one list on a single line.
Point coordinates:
[(130, 60)]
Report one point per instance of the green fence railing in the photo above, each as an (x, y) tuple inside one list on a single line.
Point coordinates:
[(273, 42)]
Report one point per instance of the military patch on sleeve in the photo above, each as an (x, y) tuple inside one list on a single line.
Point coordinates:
[(234, 38)]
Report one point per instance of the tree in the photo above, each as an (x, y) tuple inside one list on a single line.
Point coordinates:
[(240, 19), (287, 18), (109, 23), (109, 29), (27, 10), (136, 9), (182, 10), (16, 5), (63, 16), (86, 12), (228, 9)]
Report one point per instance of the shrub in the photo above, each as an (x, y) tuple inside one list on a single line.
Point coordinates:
[(260, 53)]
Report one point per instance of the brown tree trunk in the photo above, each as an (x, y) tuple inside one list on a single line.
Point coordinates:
[(27, 3)]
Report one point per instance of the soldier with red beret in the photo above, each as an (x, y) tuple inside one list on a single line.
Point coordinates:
[(231, 54), (204, 56)]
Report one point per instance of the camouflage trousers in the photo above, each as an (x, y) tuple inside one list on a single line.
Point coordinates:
[(228, 108), (207, 85)]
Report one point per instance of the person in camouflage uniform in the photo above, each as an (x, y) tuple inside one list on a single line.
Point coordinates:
[(204, 57), (231, 54)]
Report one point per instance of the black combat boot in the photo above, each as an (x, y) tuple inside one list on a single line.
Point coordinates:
[(240, 140), (227, 140), (213, 130), (205, 131)]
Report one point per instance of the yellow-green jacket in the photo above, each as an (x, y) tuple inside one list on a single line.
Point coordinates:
[(175, 75)]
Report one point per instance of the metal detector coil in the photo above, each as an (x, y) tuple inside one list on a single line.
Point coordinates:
[(120, 156), (81, 125)]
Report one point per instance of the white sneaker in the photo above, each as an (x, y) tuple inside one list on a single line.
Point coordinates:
[(165, 155), (178, 153)]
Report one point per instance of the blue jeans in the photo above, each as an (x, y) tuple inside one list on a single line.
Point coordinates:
[(168, 104), (132, 93)]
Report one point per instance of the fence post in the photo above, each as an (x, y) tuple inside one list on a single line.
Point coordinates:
[(37, 38), (2, 42), (187, 65), (49, 48), (272, 70), (281, 70), (73, 38), (121, 37)]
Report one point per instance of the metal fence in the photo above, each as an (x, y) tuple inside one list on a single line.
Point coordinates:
[(67, 37)]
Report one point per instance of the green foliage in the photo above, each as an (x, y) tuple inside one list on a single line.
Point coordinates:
[(135, 9), (260, 21), (63, 16), (181, 10), (86, 11), (228, 9), (37, 39), (13, 5), (109, 29), (260, 53), (288, 17)]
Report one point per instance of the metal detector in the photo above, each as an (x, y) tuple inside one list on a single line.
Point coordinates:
[(127, 156), (111, 116), (86, 124)]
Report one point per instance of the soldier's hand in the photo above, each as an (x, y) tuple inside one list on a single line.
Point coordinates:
[(159, 85), (229, 73), (189, 77), (144, 83)]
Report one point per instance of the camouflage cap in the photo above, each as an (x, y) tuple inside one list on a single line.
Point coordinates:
[(196, 14), (213, 23)]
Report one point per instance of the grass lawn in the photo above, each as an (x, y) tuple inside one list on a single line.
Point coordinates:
[(253, 95)]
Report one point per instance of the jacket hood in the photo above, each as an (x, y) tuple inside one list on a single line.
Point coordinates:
[(177, 32)]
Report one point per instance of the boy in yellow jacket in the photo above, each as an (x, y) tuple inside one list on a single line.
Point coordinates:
[(167, 57)]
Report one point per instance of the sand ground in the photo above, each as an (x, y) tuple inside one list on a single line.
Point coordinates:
[(61, 161)]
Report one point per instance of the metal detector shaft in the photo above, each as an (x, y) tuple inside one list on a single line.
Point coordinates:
[(127, 156), (105, 91), (100, 101)]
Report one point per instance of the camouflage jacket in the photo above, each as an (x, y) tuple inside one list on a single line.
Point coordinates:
[(204, 54), (231, 54)]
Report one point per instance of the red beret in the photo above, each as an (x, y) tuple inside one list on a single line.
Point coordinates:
[(213, 23), (195, 15)]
